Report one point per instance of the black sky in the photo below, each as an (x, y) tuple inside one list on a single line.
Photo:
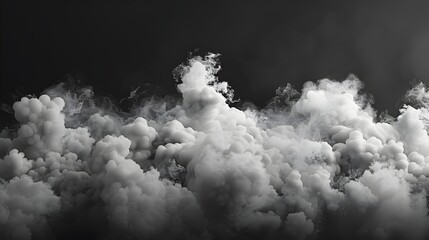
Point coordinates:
[(116, 46)]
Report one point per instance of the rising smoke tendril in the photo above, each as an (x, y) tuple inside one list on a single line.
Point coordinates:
[(309, 165)]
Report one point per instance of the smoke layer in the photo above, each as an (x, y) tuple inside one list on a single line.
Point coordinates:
[(320, 165)]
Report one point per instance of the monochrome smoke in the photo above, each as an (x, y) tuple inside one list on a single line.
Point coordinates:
[(320, 164)]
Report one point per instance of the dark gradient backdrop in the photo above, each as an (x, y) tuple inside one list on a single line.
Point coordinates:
[(116, 46)]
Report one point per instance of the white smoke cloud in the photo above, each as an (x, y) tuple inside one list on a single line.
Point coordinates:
[(318, 166), (24, 205)]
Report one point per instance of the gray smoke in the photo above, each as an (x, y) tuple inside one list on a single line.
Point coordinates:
[(319, 165)]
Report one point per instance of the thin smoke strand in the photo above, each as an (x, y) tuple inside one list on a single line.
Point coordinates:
[(318, 166)]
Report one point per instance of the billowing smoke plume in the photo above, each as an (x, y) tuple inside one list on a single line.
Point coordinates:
[(320, 165)]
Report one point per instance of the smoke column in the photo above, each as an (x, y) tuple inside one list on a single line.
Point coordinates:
[(320, 164)]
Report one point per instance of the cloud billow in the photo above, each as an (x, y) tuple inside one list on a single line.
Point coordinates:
[(317, 165)]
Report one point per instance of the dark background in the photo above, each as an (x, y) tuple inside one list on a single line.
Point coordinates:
[(116, 46)]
